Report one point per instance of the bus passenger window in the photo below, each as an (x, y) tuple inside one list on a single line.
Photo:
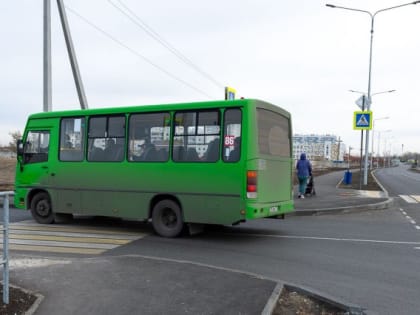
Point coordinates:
[(106, 138), (197, 136), (212, 153), (149, 137), (235, 154), (72, 143), (232, 135)]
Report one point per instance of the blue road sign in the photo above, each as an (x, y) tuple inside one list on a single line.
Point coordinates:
[(362, 120)]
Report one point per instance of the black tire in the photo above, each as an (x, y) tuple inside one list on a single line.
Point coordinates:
[(41, 208), (167, 218)]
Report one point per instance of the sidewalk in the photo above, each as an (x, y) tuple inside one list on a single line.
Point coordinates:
[(329, 199)]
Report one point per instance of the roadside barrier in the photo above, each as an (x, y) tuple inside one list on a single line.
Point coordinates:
[(5, 229)]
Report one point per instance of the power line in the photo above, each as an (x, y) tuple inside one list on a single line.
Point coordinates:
[(137, 53), (152, 33)]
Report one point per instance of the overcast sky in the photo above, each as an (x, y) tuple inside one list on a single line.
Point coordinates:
[(297, 54)]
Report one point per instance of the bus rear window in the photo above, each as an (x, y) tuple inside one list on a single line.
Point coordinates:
[(273, 133)]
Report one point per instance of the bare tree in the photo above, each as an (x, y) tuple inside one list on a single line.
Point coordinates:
[(16, 135)]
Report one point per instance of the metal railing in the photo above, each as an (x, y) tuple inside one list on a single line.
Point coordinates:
[(5, 229)]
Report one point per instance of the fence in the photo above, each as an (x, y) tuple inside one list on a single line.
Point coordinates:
[(5, 229)]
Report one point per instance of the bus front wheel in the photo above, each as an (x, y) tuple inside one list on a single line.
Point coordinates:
[(41, 208), (167, 218)]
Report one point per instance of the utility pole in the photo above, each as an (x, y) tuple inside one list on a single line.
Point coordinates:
[(72, 56), (47, 90), (361, 145)]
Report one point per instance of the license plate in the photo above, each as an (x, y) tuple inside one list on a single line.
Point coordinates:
[(274, 209)]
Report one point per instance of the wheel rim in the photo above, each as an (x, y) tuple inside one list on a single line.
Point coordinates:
[(169, 218), (43, 208)]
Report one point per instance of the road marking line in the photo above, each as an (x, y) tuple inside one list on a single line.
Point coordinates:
[(416, 197), (61, 244), (408, 199), (412, 222), (70, 228), (356, 240), (52, 249), (76, 239), (417, 227), (79, 234), (68, 239)]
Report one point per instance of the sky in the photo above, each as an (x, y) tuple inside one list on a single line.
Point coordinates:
[(299, 55)]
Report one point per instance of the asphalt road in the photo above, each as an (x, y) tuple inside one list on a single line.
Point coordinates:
[(404, 186), (371, 258)]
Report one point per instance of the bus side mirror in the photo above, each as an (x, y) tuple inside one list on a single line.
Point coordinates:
[(19, 148)]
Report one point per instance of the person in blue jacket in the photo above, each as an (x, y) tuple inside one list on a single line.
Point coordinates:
[(304, 170)]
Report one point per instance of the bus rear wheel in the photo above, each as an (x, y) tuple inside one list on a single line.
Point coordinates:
[(167, 218), (41, 208)]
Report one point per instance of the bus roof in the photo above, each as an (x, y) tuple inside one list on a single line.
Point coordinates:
[(161, 107)]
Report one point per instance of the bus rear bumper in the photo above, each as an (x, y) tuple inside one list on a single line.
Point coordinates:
[(265, 210)]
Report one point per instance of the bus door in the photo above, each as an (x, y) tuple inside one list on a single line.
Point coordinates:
[(33, 169)]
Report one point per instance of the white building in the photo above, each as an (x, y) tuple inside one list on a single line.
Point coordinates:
[(318, 147)]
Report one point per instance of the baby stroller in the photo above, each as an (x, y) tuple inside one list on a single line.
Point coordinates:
[(310, 188)]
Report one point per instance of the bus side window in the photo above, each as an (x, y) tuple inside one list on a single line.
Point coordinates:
[(212, 153), (72, 142), (235, 154), (232, 135), (196, 136), (149, 135), (106, 138)]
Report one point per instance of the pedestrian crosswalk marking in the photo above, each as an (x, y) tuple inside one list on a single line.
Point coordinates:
[(410, 198), (76, 239), (363, 121), (417, 197), (31, 225), (51, 249), (94, 240)]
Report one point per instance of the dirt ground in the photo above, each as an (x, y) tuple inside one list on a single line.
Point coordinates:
[(294, 303), (19, 302), (7, 173)]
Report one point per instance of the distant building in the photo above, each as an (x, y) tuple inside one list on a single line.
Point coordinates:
[(318, 147)]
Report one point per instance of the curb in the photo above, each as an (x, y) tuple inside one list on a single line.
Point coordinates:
[(350, 308), (347, 209), (272, 301)]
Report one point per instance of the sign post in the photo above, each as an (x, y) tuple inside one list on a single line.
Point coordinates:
[(229, 93)]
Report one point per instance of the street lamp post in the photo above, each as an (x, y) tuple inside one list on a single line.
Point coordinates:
[(373, 138), (379, 141), (372, 18)]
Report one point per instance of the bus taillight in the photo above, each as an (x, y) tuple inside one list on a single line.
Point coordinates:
[(251, 184)]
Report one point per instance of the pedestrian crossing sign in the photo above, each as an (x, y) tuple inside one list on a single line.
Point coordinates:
[(362, 120)]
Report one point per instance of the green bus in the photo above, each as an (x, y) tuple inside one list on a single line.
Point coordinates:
[(218, 162)]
